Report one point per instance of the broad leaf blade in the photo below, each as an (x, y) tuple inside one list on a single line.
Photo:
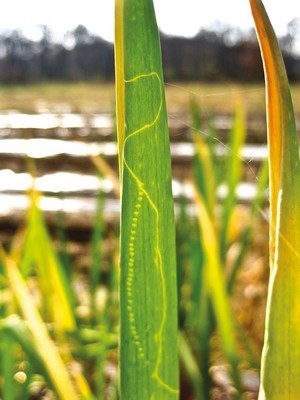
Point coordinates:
[(281, 354), (148, 350)]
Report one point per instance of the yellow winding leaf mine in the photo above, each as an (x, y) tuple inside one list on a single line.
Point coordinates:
[(142, 196)]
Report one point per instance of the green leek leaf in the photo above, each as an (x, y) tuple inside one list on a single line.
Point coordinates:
[(281, 353), (148, 348)]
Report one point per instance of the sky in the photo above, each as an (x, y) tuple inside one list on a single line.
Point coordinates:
[(177, 17)]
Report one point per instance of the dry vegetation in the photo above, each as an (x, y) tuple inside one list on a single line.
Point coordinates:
[(99, 97)]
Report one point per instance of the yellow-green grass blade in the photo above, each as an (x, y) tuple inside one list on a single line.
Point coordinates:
[(39, 251), (62, 241), (189, 266), (8, 363), (96, 254), (216, 287), (18, 330), (119, 77), (107, 171), (204, 169), (234, 168), (281, 353), (148, 348), (47, 350)]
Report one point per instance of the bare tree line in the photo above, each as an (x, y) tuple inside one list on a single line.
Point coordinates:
[(210, 56)]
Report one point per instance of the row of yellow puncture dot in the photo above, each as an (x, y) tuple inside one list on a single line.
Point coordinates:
[(130, 275)]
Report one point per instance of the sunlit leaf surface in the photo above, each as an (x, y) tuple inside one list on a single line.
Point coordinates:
[(281, 354), (148, 348)]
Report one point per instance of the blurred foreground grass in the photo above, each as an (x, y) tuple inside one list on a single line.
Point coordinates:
[(40, 263), (91, 97)]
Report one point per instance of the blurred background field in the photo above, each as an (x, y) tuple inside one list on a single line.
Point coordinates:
[(71, 152), (98, 97)]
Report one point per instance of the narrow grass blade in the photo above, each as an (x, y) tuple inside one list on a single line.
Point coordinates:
[(48, 352), (148, 349), (189, 363), (106, 170), (39, 251), (8, 362), (183, 259), (62, 246), (96, 253), (195, 314), (189, 266), (261, 187), (216, 287), (203, 166), (18, 331), (234, 168), (281, 354), (120, 80)]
